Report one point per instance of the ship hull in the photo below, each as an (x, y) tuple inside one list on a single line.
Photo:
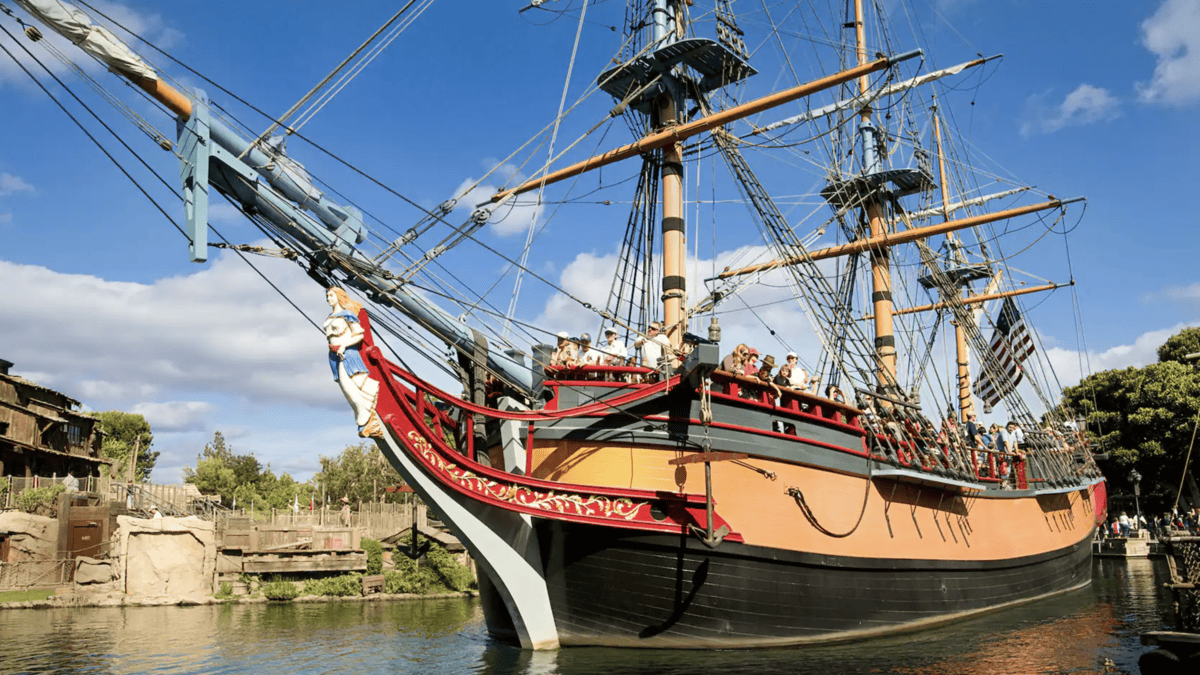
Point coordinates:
[(628, 589), (795, 534)]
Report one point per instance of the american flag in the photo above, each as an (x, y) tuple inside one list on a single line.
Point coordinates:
[(1011, 345)]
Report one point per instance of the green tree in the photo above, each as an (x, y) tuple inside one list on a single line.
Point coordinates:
[(123, 433), (1144, 419), (360, 472), (241, 479), (1179, 345)]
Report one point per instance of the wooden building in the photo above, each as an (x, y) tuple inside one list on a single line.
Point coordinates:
[(43, 432)]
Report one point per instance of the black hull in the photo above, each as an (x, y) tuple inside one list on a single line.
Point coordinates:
[(615, 588)]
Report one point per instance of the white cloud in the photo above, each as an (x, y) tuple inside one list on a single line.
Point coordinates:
[(1173, 34), (508, 219), (1085, 105), (175, 415), (589, 275), (219, 330), (1144, 351), (1191, 292), (150, 26), (11, 185)]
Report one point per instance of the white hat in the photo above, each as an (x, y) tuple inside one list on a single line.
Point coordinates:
[(563, 335), (610, 331), (792, 355)]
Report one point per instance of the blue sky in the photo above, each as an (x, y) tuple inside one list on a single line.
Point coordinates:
[(103, 305)]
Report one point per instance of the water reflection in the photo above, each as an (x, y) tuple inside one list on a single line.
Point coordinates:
[(1091, 631)]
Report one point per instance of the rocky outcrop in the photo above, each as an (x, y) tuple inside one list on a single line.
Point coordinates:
[(169, 558), (95, 573), (30, 537)]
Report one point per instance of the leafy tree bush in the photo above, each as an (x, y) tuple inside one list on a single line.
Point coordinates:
[(374, 551), (29, 500), (242, 478), (280, 590), (225, 592), (450, 573), (1144, 418), (342, 586), (360, 472), (124, 432)]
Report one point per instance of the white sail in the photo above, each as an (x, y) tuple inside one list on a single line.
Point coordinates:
[(74, 24)]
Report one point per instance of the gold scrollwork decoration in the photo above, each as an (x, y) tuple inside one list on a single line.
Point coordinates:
[(592, 505)]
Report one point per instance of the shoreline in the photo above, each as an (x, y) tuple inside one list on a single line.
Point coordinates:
[(121, 600)]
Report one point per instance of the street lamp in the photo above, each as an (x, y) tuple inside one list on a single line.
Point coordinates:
[(1136, 479)]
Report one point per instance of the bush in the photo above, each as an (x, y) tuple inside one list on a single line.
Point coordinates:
[(280, 590), (374, 551), (439, 573), (225, 592), (340, 586), (29, 500), (449, 572)]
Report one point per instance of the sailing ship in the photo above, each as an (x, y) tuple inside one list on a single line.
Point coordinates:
[(672, 501)]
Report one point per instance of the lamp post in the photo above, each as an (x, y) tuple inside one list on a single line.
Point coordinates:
[(1136, 479)]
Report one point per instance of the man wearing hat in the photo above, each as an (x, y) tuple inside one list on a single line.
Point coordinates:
[(653, 346), (615, 353), (588, 356), (565, 352), (345, 511), (798, 378)]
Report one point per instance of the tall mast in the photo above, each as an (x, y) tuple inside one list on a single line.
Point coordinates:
[(674, 282), (881, 268), (965, 405)]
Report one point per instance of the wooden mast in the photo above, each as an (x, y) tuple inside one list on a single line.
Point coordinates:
[(904, 237), (881, 268), (668, 25), (965, 405), (974, 299)]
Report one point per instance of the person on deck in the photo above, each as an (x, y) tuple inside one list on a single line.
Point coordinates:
[(973, 430), (588, 356), (565, 352), (653, 346), (797, 376), (834, 394), (736, 361), (1011, 438), (614, 350), (764, 375), (71, 483), (751, 367)]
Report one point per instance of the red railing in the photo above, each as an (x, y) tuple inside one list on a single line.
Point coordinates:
[(408, 414)]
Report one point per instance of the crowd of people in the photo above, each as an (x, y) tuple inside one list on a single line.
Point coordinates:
[(649, 350), (1160, 525), (744, 361)]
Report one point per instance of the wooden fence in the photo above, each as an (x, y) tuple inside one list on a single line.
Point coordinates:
[(15, 485)]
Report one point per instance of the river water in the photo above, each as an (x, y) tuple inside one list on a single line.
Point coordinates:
[(1093, 630)]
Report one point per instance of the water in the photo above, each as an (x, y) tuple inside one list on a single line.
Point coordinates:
[(1094, 630)]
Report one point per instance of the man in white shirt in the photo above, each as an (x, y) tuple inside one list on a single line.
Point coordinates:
[(615, 353), (588, 356), (1011, 438), (653, 346), (799, 377)]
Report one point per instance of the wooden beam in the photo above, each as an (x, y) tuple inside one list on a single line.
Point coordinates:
[(904, 237), (675, 134), (979, 298)]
